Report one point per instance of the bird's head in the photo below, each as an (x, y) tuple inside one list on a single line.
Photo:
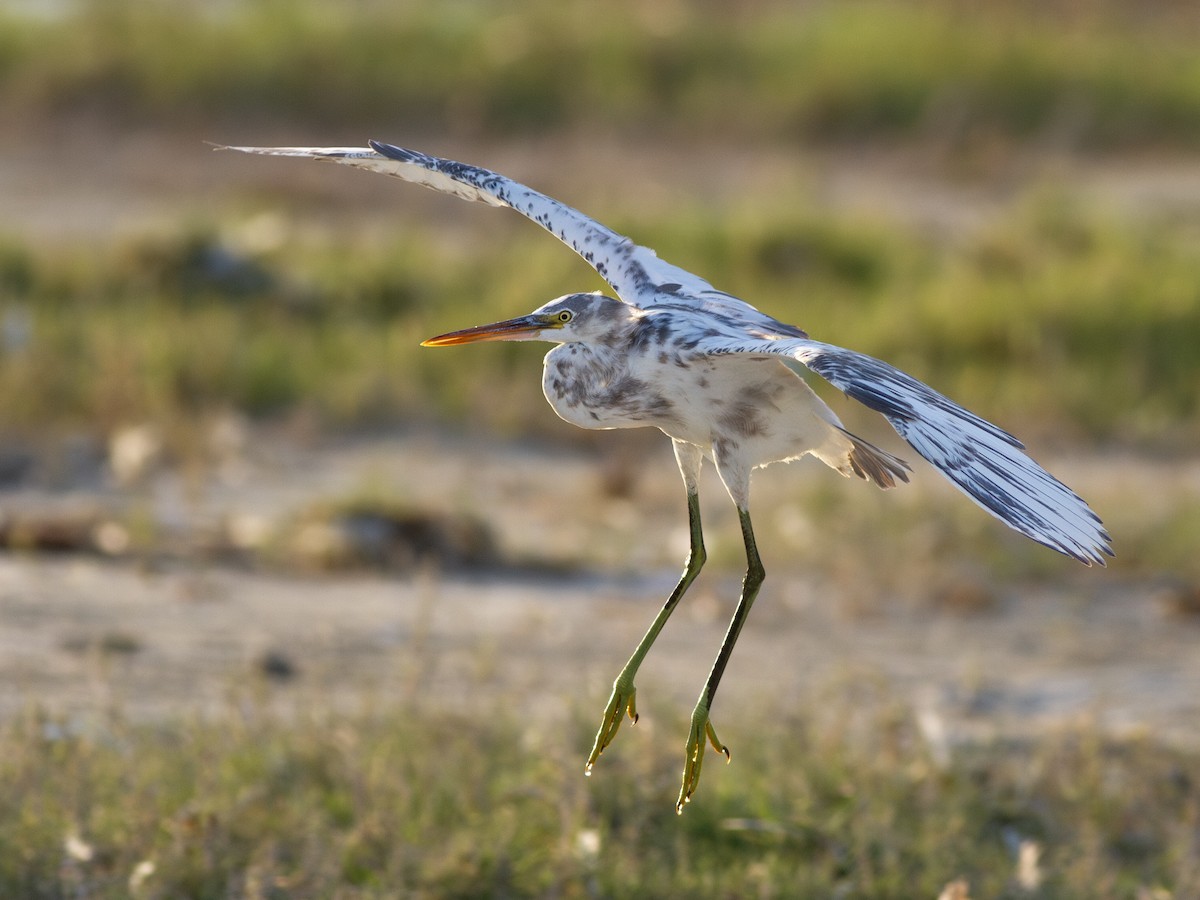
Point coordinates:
[(575, 317)]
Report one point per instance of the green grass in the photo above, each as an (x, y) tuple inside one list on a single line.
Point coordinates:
[(1056, 318), (1092, 76), (410, 801)]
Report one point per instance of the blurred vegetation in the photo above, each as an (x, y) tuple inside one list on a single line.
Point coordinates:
[(411, 801), (1094, 75), (1051, 317), (1103, 311)]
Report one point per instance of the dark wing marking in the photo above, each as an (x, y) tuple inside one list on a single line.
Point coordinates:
[(987, 463), (634, 272)]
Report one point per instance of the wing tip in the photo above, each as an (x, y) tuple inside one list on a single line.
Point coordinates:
[(1092, 550), (1100, 551), (327, 154), (1034, 503)]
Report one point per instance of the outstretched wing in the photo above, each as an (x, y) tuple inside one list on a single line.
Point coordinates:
[(636, 273), (984, 461), (987, 463)]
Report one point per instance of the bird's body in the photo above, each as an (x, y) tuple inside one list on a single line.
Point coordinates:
[(722, 380), (638, 369)]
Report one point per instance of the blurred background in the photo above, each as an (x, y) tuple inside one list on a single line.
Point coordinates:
[(242, 513)]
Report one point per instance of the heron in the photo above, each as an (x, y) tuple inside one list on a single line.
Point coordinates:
[(725, 383)]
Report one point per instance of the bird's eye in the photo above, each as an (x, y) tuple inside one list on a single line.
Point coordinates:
[(565, 316)]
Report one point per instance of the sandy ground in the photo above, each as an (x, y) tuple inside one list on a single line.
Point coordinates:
[(81, 633)]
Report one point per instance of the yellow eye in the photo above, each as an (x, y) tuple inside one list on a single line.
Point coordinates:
[(565, 316)]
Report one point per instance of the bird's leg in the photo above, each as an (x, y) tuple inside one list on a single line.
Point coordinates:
[(701, 727), (624, 692)]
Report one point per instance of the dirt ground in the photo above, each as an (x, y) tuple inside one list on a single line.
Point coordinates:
[(80, 633)]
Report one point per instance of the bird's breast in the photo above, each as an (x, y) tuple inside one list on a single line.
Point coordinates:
[(598, 388)]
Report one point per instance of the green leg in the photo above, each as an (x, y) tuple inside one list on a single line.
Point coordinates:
[(701, 727), (624, 693)]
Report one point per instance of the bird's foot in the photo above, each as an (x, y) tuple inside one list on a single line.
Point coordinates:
[(701, 731), (621, 702)]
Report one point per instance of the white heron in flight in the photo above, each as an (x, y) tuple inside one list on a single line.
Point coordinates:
[(721, 379)]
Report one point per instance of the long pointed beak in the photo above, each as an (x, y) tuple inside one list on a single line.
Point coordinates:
[(522, 328)]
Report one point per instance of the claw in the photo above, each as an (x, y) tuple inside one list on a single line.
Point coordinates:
[(716, 742), (701, 730), (621, 702)]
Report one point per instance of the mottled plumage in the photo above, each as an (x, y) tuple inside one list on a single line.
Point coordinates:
[(723, 381)]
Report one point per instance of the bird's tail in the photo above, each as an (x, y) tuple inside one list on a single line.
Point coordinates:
[(872, 464)]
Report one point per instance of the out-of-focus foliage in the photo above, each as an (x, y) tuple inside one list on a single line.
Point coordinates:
[(1049, 317), (1103, 312), (1088, 75), (1054, 314)]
